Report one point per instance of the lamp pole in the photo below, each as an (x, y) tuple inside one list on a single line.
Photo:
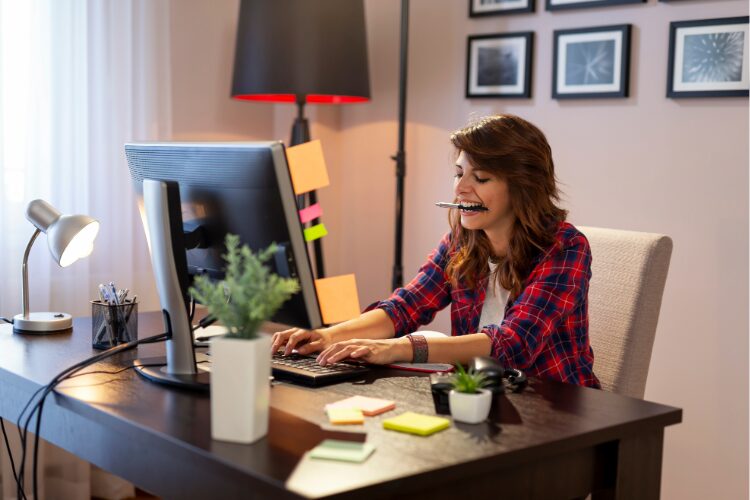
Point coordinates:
[(400, 156)]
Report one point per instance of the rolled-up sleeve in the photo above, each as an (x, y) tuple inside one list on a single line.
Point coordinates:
[(419, 301), (557, 286)]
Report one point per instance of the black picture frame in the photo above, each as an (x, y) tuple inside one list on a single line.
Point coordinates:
[(500, 7), (731, 66), (553, 5), (570, 74), (498, 75)]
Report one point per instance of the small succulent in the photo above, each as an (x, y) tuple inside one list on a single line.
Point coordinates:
[(468, 382)]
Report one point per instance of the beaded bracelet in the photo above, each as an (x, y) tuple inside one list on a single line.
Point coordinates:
[(419, 348)]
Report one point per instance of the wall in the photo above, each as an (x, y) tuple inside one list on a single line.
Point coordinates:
[(203, 38), (646, 163)]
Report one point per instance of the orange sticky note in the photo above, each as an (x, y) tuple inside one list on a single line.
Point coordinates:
[(369, 406), (338, 298), (307, 167)]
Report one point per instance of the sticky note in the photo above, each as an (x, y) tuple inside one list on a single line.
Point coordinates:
[(338, 298), (307, 167), (310, 213), (369, 406), (415, 423), (347, 451), (315, 232), (345, 416)]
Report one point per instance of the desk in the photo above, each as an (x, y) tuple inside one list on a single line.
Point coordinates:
[(551, 441)]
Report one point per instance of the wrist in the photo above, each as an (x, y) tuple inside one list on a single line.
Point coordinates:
[(404, 351)]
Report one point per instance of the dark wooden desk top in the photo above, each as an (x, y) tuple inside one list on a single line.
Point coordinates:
[(102, 416)]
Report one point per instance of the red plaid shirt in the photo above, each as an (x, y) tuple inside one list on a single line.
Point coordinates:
[(545, 330)]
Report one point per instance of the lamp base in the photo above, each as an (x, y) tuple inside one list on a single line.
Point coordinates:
[(42, 322)]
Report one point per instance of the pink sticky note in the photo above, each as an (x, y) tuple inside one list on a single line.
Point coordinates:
[(310, 213)]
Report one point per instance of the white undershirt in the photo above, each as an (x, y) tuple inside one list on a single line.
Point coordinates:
[(493, 310)]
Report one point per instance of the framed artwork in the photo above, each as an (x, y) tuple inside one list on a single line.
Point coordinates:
[(708, 58), (579, 4), (499, 65), (591, 62), (479, 8)]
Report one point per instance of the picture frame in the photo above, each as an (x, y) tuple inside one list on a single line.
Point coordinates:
[(583, 4), (591, 62), (482, 8), (499, 65), (709, 58)]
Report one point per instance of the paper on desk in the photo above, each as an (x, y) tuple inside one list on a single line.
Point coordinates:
[(307, 167), (369, 406), (338, 298), (347, 451)]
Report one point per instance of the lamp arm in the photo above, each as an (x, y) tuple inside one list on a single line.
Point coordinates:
[(26, 274)]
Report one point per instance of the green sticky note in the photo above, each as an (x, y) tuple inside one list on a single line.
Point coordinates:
[(415, 423), (315, 232), (346, 451)]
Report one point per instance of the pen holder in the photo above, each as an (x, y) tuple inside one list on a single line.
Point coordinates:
[(112, 325)]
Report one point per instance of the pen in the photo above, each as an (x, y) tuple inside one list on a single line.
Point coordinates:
[(443, 204)]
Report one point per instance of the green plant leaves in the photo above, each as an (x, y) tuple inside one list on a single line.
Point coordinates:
[(468, 382), (249, 294)]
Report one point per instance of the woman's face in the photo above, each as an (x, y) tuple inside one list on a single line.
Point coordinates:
[(477, 186)]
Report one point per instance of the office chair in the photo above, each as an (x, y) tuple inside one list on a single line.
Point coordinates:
[(628, 274)]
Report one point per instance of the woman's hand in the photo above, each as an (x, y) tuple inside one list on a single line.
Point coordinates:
[(378, 352), (305, 341)]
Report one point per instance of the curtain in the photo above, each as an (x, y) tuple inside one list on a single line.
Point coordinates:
[(78, 79)]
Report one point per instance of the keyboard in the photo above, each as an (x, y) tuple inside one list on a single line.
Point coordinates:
[(305, 370)]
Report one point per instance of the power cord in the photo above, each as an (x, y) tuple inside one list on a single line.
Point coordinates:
[(3, 318), (38, 406)]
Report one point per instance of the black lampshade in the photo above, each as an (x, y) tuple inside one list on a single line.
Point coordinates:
[(311, 48)]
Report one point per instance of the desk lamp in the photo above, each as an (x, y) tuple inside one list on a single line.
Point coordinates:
[(70, 237), (302, 51)]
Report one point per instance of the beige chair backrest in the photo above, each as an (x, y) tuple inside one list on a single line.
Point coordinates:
[(628, 274)]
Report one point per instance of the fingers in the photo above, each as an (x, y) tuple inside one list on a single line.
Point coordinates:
[(281, 339), (298, 337), (341, 351)]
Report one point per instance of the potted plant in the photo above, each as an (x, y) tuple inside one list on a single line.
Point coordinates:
[(241, 360), (469, 401)]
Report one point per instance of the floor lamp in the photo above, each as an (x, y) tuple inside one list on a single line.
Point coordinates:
[(302, 51)]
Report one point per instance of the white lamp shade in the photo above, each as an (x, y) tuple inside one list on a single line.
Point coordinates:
[(72, 237)]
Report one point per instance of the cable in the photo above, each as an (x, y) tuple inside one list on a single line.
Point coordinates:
[(37, 407), (10, 453), (3, 318)]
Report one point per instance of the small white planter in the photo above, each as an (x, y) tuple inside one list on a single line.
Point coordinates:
[(240, 390), (470, 408)]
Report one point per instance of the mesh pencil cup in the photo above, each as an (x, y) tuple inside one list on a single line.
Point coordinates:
[(112, 325)]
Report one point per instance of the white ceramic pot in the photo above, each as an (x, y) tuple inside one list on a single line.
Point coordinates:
[(240, 390), (470, 408)]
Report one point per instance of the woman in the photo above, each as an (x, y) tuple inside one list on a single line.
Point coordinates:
[(514, 272)]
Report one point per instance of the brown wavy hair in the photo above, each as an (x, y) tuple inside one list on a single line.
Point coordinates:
[(516, 151)]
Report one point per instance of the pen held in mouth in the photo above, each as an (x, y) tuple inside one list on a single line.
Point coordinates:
[(468, 208)]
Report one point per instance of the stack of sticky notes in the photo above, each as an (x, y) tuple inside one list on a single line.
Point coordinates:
[(368, 406), (415, 423), (345, 416), (347, 451)]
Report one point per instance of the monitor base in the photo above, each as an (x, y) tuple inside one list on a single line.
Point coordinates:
[(154, 369)]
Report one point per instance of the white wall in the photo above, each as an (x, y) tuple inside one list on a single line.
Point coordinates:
[(647, 163)]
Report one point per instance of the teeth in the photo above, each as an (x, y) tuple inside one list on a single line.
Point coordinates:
[(470, 204)]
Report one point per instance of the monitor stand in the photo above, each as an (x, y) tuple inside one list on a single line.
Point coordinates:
[(155, 370)]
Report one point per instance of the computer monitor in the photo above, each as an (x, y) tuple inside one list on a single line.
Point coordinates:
[(190, 195)]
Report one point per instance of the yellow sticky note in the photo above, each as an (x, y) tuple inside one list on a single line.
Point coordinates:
[(315, 232), (345, 416), (307, 167), (338, 298), (416, 423)]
